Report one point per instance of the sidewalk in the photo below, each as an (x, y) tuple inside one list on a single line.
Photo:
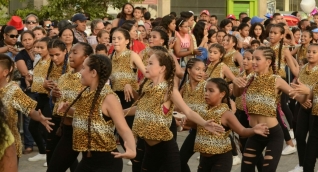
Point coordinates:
[(286, 162)]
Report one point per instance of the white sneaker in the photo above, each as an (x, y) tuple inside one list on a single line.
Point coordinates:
[(289, 150), (38, 157), (45, 164), (294, 142), (198, 158), (297, 169), (129, 163), (236, 160), (291, 133)]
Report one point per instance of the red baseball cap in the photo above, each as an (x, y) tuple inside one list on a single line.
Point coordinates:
[(231, 16), (205, 12)]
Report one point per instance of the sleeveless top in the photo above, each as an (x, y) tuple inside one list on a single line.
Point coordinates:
[(217, 72), (39, 76), (57, 71), (228, 59), (208, 143), (315, 100), (260, 96), (14, 99), (150, 121), (122, 72), (281, 72), (195, 98), (302, 52), (70, 86), (102, 131), (308, 77)]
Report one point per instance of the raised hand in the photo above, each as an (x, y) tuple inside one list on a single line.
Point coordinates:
[(241, 82), (261, 129), (300, 88)]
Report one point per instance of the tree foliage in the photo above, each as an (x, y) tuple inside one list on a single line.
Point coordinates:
[(65, 9)]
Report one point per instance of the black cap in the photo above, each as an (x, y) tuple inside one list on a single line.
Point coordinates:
[(79, 16), (65, 24)]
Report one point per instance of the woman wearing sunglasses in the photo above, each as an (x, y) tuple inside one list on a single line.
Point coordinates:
[(8, 41)]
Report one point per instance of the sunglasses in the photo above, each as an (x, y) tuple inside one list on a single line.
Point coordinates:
[(13, 36), (31, 22)]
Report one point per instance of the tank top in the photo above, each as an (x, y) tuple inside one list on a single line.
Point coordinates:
[(185, 42)]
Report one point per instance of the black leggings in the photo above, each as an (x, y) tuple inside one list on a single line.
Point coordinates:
[(285, 108), (64, 156), (162, 157), (129, 119), (255, 145), (304, 123), (52, 139), (140, 150), (186, 150), (311, 148), (242, 117), (37, 130), (100, 162), (219, 163)]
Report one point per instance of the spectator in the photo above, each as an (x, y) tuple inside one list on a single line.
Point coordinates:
[(214, 20), (79, 31), (31, 21), (205, 15), (242, 15), (96, 26), (138, 15)]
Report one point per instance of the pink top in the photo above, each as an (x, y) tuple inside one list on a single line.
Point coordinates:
[(185, 41)]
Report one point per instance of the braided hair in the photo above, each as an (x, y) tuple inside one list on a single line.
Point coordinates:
[(189, 65), (269, 53), (56, 43), (281, 43), (223, 87), (103, 67), (7, 63)]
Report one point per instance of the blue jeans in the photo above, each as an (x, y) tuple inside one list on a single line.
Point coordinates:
[(28, 139)]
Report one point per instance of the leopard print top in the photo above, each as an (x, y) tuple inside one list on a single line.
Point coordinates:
[(238, 100), (308, 77), (150, 121), (217, 72), (39, 76), (14, 99), (123, 72), (261, 97), (56, 72), (70, 85), (145, 55), (315, 100), (228, 59), (208, 143), (195, 98), (281, 72), (102, 131), (302, 52)]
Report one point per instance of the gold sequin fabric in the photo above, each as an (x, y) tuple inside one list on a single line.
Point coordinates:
[(228, 59), (14, 100), (281, 72), (70, 86), (315, 100), (145, 55), (195, 98), (39, 76), (302, 52), (102, 131), (150, 122), (123, 72), (217, 72), (308, 76), (208, 143), (56, 72), (261, 98)]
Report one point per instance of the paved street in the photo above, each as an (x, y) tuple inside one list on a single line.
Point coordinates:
[(286, 163)]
